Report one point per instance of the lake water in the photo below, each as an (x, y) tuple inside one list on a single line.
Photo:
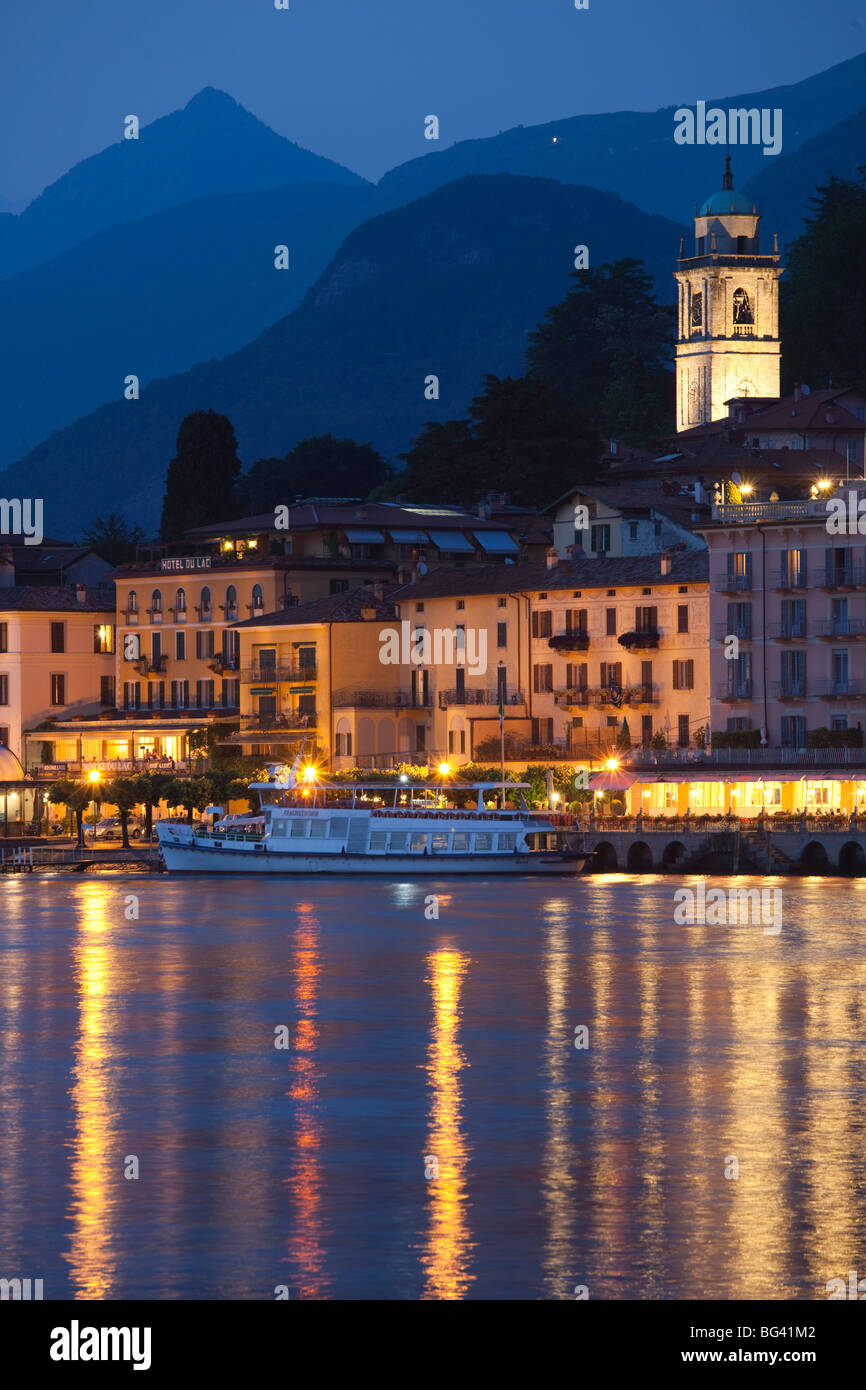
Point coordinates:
[(431, 1131)]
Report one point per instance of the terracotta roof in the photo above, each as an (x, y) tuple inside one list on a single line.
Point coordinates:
[(644, 570), (310, 515), (335, 608), (50, 599)]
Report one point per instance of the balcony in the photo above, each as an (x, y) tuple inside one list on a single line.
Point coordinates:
[(380, 699), (734, 690), (110, 767), (279, 723), (641, 640), (569, 641), (578, 698), (151, 665), (741, 630), (836, 629), (789, 579), (469, 696), (727, 583), (787, 631), (642, 695), (223, 664), (840, 689), (281, 671), (790, 689), (848, 576)]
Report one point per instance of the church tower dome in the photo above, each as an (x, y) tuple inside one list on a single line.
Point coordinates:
[(728, 315)]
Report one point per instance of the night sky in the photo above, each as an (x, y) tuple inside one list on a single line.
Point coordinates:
[(353, 79)]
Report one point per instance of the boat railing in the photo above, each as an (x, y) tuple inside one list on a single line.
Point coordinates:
[(418, 813)]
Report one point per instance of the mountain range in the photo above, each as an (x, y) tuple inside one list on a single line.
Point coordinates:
[(156, 258)]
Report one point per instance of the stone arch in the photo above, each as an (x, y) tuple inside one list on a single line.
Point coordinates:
[(852, 860), (604, 858), (640, 858), (387, 736), (673, 854), (814, 859), (366, 736)]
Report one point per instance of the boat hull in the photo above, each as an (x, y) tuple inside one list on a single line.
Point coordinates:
[(204, 859)]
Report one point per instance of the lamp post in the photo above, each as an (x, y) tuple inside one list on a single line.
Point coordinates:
[(93, 778)]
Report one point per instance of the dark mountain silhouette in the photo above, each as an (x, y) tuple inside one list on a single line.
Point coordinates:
[(633, 152), (212, 146), (783, 190), (449, 285), (155, 296)]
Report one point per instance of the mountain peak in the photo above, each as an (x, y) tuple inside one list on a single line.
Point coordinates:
[(212, 99)]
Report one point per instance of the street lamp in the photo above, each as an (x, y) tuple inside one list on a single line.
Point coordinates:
[(93, 779)]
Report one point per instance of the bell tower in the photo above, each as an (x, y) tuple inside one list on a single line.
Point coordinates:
[(728, 311)]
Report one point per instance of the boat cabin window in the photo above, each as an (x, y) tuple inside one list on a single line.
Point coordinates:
[(338, 827), (460, 842), (483, 842), (299, 828), (377, 839), (399, 839), (418, 844), (440, 841), (506, 842)]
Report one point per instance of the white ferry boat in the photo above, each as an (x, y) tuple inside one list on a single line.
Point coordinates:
[(383, 828)]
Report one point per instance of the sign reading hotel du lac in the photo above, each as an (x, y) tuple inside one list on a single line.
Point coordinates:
[(186, 562)]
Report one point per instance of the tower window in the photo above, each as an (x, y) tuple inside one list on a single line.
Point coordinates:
[(742, 307), (697, 309), (700, 243)]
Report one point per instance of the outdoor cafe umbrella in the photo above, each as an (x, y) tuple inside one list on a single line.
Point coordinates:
[(611, 780)]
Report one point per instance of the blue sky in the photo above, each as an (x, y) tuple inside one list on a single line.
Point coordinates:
[(353, 79)]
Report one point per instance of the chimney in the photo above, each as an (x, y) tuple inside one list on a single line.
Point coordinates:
[(379, 589), (368, 614), (81, 593), (552, 557), (7, 568), (667, 561)]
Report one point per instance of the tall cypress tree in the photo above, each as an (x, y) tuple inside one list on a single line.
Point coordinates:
[(201, 480)]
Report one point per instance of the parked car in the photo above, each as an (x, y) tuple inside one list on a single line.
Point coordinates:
[(109, 828)]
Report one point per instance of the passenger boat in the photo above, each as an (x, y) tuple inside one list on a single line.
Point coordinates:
[(382, 828)]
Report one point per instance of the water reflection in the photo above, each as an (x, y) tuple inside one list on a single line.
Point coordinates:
[(95, 1167), (447, 1247)]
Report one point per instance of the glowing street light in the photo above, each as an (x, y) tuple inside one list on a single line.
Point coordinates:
[(444, 769), (612, 764), (310, 774)]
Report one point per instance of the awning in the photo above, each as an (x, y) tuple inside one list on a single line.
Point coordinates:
[(497, 542), (453, 541), (405, 535), (365, 535), (611, 781)]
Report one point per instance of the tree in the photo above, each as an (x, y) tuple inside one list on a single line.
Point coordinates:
[(624, 736), (442, 464), (122, 792), (823, 293), (150, 791), (76, 796), (607, 349), (192, 793), (531, 445), (113, 538), (201, 480), (319, 465)]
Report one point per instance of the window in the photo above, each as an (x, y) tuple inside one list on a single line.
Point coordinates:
[(132, 607), (156, 695), (542, 731), (646, 619), (420, 737), (307, 660), (103, 639), (439, 841), (683, 730), (58, 690), (460, 842), (205, 694), (204, 643), (343, 745), (106, 690), (419, 608), (793, 731), (456, 740), (205, 607), (180, 606), (461, 603), (418, 843), (576, 620), (739, 620), (180, 646), (697, 315), (501, 602), (231, 694), (542, 678), (341, 586), (4, 735), (793, 569), (231, 606), (646, 730), (542, 622), (682, 617), (632, 530), (180, 694), (684, 675), (611, 673), (258, 601), (156, 606), (610, 622), (378, 839), (4, 689), (600, 538), (483, 842), (131, 694), (58, 637), (502, 634), (4, 637), (576, 675), (657, 528)]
